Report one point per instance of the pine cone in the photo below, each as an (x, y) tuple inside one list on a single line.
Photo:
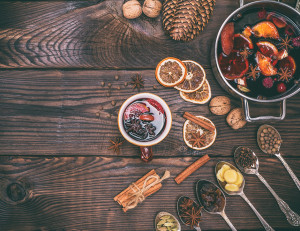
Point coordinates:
[(184, 19)]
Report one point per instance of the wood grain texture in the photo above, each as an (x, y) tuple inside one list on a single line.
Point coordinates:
[(76, 193), (82, 35), (55, 113)]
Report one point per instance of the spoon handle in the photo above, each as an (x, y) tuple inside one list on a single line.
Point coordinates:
[(223, 214), (262, 220), (290, 171), (197, 228), (292, 217)]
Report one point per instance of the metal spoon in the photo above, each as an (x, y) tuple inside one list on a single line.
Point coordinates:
[(221, 210), (161, 214), (241, 193), (196, 227), (292, 174), (292, 217)]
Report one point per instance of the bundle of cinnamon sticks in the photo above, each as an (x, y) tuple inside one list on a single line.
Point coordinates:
[(139, 190)]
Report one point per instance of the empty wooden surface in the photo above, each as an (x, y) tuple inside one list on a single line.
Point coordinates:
[(58, 59)]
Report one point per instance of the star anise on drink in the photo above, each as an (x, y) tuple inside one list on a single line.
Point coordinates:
[(192, 217), (186, 204), (137, 82), (198, 140), (150, 129), (285, 43), (285, 74), (245, 53), (134, 125), (116, 144), (253, 72)]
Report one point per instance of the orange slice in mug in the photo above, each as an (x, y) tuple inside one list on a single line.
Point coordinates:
[(170, 72)]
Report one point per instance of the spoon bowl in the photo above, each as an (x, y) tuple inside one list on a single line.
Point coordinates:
[(161, 214), (260, 130), (253, 169), (277, 153), (222, 184), (197, 227)]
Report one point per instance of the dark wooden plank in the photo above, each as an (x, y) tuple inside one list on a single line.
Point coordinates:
[(77, 194), (76, 34), (54, 113)]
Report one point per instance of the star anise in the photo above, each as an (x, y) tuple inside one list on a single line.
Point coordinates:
[(137, 82), (253, 72), (198, 140), (245, 53), (285, 43), (150, 129), (192, 217), (186, 204), (134, 125), (116, 144), (285, 74)]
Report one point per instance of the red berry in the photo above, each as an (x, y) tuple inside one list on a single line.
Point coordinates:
[(268, 82), (281, 88)]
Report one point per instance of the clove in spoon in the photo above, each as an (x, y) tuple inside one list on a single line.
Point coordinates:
[(181, 211), (277, 153), (292, 217), (241, 193), (203, 186)]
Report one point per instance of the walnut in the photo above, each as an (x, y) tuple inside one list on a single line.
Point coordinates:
[(220, 105), (152, 8), (132, 9)]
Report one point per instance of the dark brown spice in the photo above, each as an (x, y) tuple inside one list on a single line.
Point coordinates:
[(212, 198), (109, 85), (116, 77), (137, 82), (113, 103), (245, 158), (189, 211), (116, 144)]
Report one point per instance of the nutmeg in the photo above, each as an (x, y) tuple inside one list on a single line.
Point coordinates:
[(152, 8), (132, 9)]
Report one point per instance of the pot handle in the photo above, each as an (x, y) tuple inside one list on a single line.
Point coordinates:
[(250, 119), (241, 3)]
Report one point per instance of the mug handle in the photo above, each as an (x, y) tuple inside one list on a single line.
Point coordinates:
[(146, 154), (250, 119)]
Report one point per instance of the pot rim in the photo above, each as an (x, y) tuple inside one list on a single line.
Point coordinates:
[(292, 93)]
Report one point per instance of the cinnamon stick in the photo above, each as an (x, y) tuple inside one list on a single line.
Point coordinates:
[(192, 168), (139, 190), (206, 125)]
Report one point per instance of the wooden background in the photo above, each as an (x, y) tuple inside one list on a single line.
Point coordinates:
[(56, 119)]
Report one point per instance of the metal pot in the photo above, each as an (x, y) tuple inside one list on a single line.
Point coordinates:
[(269, 5)]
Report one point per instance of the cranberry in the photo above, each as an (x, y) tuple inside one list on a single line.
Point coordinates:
[(268, 82), (262, 13), (296, 41), (281, 88)]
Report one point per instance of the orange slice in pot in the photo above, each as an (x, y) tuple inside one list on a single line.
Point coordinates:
[(200, 96), (265, 65), (194, 79), (197, 137), (170, 72), (268, 49), (265, 29)]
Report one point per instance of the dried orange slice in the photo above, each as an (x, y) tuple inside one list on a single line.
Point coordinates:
[(194, 79), (197, 137), (200, 96), (170, 72)]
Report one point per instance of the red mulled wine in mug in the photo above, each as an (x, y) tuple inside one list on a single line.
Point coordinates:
[(144, 119)]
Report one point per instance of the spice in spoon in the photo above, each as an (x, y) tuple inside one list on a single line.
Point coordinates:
[(167, 222), (189, 212), (269, 140), (245, 158)]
